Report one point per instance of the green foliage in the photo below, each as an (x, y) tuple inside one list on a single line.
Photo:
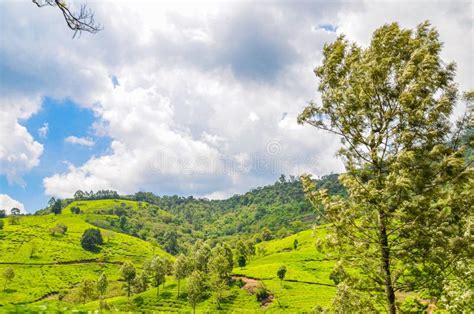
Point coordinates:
[(281, 273), (1, 224), (57, 207), (8, 275), (102, 284), (261, 293), (91, 238), (159, 268), (86, 290), (75, 210), (196, 287), (128, 272), (3, 213), (181, 269), (241, 261), (409, 187)]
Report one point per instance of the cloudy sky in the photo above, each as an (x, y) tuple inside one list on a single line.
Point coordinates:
[(195, 98)]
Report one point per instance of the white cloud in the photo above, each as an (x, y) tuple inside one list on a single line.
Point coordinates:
[(203, 89), (83, 141), (19, 152), (43, 131), (7, 203)]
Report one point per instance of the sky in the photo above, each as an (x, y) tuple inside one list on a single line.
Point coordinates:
[(186, 98)]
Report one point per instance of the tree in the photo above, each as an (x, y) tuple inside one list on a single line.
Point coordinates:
[(77, 21), (218, 286), (15, 211), (1, 224), (181, 269), (241, 261), (196, 287), (266, 234), (8, 275), (140, 283), (220, 263), (295, 244), (86, 289), (171, 242), (128, 273), (158, 268), (75, 210), (281, 273), (102, 284), (57, 207), (91, 238), (403, 220), (3, 213)]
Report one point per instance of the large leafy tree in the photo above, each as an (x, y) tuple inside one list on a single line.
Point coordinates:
[(403, 223)]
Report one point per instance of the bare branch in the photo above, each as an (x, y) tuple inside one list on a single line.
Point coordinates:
[(82, 21)]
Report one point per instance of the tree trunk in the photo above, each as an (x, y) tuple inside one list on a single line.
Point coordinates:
[(385, 259), (128, 290)]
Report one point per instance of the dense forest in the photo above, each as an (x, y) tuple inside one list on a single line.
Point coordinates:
[(175, 222)]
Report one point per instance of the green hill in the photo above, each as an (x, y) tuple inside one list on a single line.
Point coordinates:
[(306, 284), (48, 264)]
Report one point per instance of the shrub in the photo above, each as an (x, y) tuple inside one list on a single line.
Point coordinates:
[(91, 238), (58, 229), (261, 293), (75, 210)]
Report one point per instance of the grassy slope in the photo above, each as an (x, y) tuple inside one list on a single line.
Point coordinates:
[(307, 280), (304, 265), (43, 273)]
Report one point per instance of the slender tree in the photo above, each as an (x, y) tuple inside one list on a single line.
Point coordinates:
[(181, 269), (86, 289), (102, 284), (402, 225), (129, 273), (281, 273), (158, 270), (195, 286), (8, 275)]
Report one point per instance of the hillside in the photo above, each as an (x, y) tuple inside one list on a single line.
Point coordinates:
[(306, 284), (176, 222), (47, 264)]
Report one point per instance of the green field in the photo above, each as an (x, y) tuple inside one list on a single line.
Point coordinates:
[(58, 261), (49, 267)]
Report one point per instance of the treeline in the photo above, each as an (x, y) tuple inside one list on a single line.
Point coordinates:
[(175, 222), (206, 269)]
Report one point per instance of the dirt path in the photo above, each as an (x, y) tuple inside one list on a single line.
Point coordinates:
[(251, 285)]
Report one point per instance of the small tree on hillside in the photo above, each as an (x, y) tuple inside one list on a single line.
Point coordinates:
[(158, 269), (8, 275), (196, 286), (15, 211), (57, 207), (241, 261), (128, 273), (86, 289), (102, 284), (295, 244), (281, 273), (3, 213), (91, 238), (181, 269)]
